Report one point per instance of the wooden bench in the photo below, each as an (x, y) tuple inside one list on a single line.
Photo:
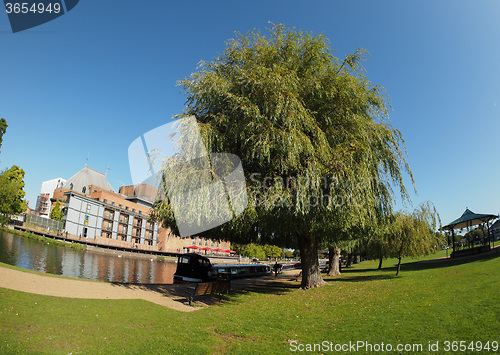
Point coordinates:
[(220, 287)]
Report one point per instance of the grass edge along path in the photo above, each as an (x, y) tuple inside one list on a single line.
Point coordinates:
[(429, 303)]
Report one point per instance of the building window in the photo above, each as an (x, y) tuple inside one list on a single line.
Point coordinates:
[(124, 238), (104, 201), (83, 189), (133, 209), (112, 203), (126, 208), (140, 212), (150, 242), (137, 240), (71, 186)]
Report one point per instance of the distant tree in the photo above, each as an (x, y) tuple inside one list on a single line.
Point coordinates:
[(11, 193), (474, 236), (3, 128), (55, 214), (288, 254), (378, 243), (414, 234), (251, 250), (273, 251)]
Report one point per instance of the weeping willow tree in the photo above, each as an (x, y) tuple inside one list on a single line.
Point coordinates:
[(412, 234), (305, 125)]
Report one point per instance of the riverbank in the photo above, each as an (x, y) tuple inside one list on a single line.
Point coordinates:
[(167, 295), (30, 235)]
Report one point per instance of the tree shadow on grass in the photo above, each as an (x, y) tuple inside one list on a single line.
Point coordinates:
[(360, 278), (275, 288), (177, 292), (423, 264), (449, 262)]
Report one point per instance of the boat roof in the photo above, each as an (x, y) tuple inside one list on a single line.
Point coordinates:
[(230, 265)]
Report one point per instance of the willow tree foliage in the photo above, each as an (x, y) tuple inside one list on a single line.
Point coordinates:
[(311, 132), (410, 235)]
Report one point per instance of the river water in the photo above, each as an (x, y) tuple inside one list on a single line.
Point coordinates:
[(94, 265)]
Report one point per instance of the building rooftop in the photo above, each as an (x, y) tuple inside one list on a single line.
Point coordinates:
[(87, 176)]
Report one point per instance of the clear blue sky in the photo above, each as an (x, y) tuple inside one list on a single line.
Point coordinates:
[(93, 80)]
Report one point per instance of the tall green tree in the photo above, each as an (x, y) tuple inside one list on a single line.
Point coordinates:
[(11, 193), (311, 133)]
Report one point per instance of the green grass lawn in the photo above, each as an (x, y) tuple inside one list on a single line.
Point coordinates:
[(454, 300)]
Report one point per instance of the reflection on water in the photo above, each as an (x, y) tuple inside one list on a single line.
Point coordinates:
[(58, 260)]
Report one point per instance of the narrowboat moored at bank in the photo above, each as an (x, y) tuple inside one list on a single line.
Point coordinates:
[(197, 268)]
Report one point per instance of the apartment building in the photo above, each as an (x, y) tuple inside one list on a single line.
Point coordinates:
[(93, 210)]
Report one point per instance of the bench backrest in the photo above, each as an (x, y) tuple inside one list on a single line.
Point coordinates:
[(203, 288)]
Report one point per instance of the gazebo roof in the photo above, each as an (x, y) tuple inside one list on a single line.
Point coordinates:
[(469, 219)]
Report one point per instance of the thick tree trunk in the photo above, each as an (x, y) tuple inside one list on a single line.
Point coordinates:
[(334, 261), (399, 266), (380, 263), (311, 275), (349, 260), (355, 259)]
